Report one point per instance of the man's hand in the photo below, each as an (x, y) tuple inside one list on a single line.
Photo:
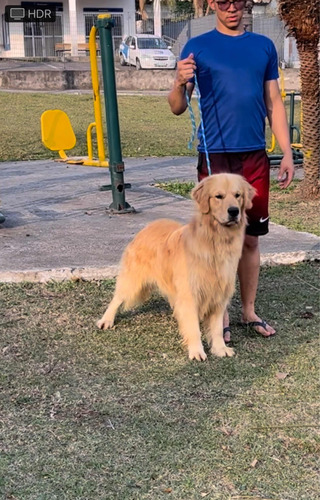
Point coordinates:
[(286, 172), (177, 97), (185, 70)]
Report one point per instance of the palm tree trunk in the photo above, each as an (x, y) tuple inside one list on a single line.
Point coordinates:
[(310, 94), (198, 8), (143, 13)]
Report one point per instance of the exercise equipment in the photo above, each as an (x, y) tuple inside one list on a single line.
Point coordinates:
[(56, 130), (57, 133), (275, 159)]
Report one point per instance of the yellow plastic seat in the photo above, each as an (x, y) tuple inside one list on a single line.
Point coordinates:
[(56, 131)]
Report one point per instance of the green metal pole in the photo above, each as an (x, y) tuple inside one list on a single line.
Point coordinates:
[(293, 127), (104, 24), (291, 116)]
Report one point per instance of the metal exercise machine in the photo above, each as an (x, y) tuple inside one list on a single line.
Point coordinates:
[(57, 133)]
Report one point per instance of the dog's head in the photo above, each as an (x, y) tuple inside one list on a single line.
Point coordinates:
[(225, 197)]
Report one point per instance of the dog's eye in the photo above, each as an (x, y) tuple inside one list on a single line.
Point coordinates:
[(237, 195), (219, 196)]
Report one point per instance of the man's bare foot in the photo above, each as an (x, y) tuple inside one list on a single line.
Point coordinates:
[(258, 325)]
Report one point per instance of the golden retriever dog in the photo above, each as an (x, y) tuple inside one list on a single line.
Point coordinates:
[(194, 266)]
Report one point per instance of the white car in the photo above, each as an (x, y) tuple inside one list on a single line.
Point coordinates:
[(146, 52)]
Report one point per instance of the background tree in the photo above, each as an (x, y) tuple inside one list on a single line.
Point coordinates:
[(199, 7), (302, 18)]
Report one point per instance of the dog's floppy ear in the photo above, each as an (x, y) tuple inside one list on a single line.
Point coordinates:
[(249, 194), (201, 196)]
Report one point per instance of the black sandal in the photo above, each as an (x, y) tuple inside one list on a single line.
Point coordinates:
[(253, 324), (225, 330)]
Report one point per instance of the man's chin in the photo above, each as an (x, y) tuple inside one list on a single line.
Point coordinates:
[(233, 25)]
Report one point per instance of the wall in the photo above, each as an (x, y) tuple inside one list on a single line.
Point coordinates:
[(16, 29)]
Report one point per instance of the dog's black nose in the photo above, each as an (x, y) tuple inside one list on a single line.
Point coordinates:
[(233, 211)]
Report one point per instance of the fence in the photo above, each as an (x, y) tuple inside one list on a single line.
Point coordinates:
[(177, 31)]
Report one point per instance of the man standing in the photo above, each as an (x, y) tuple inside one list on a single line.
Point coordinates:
[(237, 74)]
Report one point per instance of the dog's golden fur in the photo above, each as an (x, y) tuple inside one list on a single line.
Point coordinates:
[(194, 265)]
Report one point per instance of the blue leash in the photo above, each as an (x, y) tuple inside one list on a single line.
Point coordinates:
[(194, 126)]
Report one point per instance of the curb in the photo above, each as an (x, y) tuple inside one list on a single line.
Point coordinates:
[(110, 272)]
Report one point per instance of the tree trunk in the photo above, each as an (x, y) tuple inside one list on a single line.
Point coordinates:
[(143, 13), (310, 98), (198, 8)]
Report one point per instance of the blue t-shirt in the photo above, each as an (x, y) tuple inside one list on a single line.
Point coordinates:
[(231, 72)]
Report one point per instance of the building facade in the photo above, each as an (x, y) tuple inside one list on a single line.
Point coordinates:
[(70, 29)]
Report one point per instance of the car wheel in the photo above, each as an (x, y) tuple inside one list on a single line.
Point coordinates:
[(138, 64), (122, 60)]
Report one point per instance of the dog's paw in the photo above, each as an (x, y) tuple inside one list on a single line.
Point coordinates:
[(197, 353), (104, 324), (222, 351)]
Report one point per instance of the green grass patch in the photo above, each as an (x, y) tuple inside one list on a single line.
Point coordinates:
[(147, 126), (286, 206), (124, 415)]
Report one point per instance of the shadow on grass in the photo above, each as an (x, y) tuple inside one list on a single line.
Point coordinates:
[(123, 414)]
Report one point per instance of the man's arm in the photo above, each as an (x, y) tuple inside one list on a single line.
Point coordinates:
[(177, 96), (279, 125)]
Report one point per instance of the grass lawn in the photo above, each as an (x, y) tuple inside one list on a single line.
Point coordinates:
[(286, 206), (148, 128), (124, 415)]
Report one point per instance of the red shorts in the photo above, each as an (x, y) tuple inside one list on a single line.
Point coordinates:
[(254, 166)]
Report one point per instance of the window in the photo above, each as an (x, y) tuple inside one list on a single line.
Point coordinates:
[(5, 34), (151, 43), (40, 38)]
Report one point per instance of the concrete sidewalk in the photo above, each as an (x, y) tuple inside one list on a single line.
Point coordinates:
[(58, 226)]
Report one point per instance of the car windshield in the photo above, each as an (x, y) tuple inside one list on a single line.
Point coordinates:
[(151, 43)]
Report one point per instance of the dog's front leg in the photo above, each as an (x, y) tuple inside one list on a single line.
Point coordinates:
[(215, 335), (186, 314)]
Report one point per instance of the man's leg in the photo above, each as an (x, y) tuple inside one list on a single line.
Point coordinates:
[(248, 272), (220, 162)]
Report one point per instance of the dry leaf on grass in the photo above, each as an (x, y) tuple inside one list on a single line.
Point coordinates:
[(254, 462), (226, 430), (281, 375)]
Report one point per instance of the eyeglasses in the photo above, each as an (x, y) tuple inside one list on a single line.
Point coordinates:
[(225, 5)]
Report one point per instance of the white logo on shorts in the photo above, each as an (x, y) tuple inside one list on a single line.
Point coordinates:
[(262, 220)]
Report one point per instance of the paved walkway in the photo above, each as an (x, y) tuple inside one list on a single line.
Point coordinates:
[(58, 226)]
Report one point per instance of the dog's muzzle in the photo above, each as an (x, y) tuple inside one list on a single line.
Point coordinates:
[(233, 216)]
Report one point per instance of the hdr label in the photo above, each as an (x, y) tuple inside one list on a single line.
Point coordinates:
[(31, 13)]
